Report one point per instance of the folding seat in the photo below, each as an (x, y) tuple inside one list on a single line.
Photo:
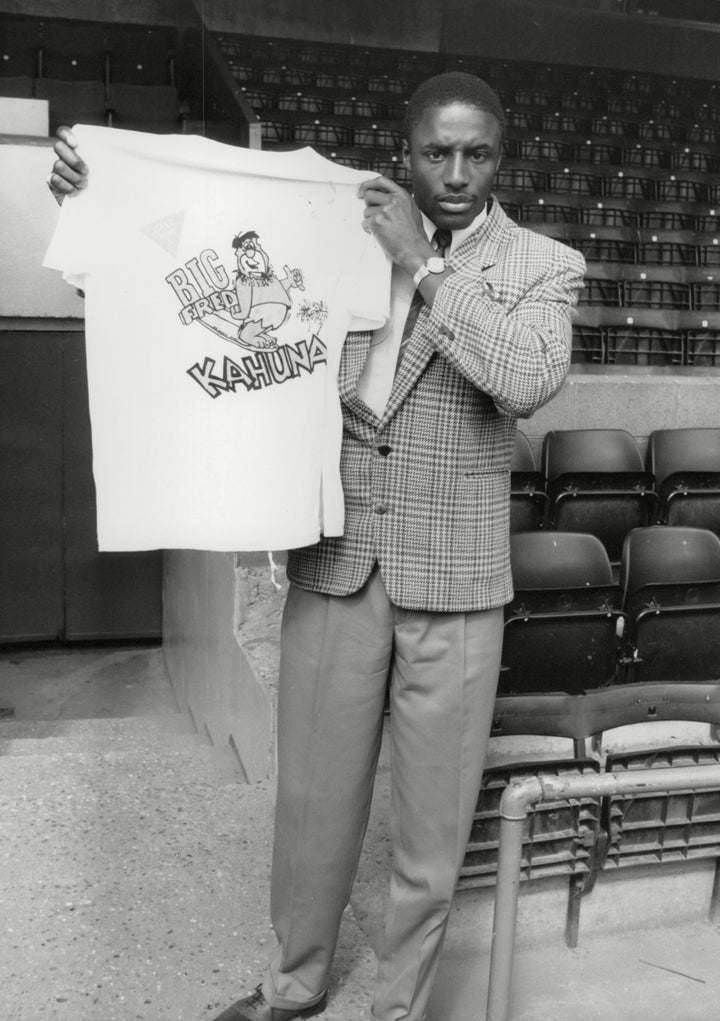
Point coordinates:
[(698, 157), (537, 148), (526, 119), (638, 336), (706, 291), (670, 578), (707, 219), (600, 153), (667, 248), (597, 483), (707, 247), (520, 178), (660, 287), (602, 286), (708, 134), (384, 83), (618, 212), (639, 155), (588, 337), (667, 217), (603, 244), (264, 99), (655, 131), (686, 466), (659, 828), (394, 168), (686, 188), (528, 499), (577, 182), (564, 123), (550, 210), (561, 627), (701, 337), (637, 184), (616, 126), (378, 136)]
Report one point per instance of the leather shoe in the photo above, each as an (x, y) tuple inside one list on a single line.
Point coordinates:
[(256, 1008)]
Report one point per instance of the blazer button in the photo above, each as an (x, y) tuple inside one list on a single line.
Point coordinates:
[(446, 332), (380, 508), (383, 450)]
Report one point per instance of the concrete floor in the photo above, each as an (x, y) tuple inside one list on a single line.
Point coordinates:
[(134, 878)]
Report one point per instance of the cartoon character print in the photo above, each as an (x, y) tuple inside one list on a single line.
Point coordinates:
[(263, 299)]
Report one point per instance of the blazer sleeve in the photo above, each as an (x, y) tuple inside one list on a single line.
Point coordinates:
[(512, 343)]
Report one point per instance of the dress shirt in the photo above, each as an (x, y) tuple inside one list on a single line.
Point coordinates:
[(377, 377)]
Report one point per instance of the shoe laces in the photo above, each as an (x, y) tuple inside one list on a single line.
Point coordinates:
[(256, 999)]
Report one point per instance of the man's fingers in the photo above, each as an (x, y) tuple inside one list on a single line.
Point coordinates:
[(382, 185)]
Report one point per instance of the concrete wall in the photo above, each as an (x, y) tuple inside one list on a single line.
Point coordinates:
[(221, 644), (28, 214)]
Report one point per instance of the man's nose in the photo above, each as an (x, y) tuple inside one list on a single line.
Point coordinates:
[(456, 174)]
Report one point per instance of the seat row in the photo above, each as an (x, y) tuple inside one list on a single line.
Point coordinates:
[(634, 246), (646, 337), (265, 55), (596, 481), (571, 628), (537, 208), (39, 48), (680, 288)]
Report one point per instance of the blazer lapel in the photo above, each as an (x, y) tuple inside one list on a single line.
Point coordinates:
[(480, 251)]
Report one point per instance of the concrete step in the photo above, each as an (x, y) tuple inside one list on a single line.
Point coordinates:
[(56, 737)]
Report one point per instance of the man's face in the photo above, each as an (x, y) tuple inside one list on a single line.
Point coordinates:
[(452, 155)]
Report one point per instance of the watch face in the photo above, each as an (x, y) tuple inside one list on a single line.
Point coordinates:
[(435, 265)]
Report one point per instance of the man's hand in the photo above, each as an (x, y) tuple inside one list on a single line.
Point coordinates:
[(393, 218), (69, 174)]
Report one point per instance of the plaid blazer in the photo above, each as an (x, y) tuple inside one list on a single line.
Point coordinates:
[(427, 485)]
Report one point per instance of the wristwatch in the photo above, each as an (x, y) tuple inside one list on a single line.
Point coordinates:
[(433, 265)]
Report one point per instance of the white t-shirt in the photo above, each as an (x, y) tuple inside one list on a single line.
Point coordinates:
[(220, 283)]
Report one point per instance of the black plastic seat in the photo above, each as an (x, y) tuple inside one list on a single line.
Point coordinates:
[(561, 628), (528, 499), (670, 578), (686, 466), (597, 483)]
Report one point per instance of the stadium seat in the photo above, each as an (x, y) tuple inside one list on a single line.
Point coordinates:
[(670, 579), (686, 466), (528, 500), (561, 628), (597, 483)]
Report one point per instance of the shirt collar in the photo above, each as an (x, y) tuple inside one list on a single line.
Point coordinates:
[(458, 236)]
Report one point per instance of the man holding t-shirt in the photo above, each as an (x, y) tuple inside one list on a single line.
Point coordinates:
[(414, 589)]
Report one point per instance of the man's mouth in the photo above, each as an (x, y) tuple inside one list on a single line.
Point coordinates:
[(455, 203)]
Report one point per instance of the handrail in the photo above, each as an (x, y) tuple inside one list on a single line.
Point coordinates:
[(520, 796)]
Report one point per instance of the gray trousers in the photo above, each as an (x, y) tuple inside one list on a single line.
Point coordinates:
[(336, 653)]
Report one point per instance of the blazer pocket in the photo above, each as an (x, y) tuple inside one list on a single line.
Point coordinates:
[(483, 473)]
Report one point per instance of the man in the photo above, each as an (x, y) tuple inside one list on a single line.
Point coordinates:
[(414, 589)]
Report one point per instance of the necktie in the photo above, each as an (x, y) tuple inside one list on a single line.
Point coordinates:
[(440, 241)]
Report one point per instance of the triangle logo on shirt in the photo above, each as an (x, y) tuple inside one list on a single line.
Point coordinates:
[(167, 232)]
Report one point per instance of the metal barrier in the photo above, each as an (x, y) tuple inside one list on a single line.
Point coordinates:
[(521, 796)]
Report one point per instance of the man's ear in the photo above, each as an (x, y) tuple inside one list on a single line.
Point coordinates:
[(405, 153)]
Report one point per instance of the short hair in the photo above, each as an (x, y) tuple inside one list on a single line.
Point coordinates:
[(452, 87)]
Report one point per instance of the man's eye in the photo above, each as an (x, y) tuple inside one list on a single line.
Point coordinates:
[(434, 157), (479, 157)]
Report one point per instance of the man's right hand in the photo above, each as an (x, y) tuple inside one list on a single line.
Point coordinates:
[(69, 174)]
